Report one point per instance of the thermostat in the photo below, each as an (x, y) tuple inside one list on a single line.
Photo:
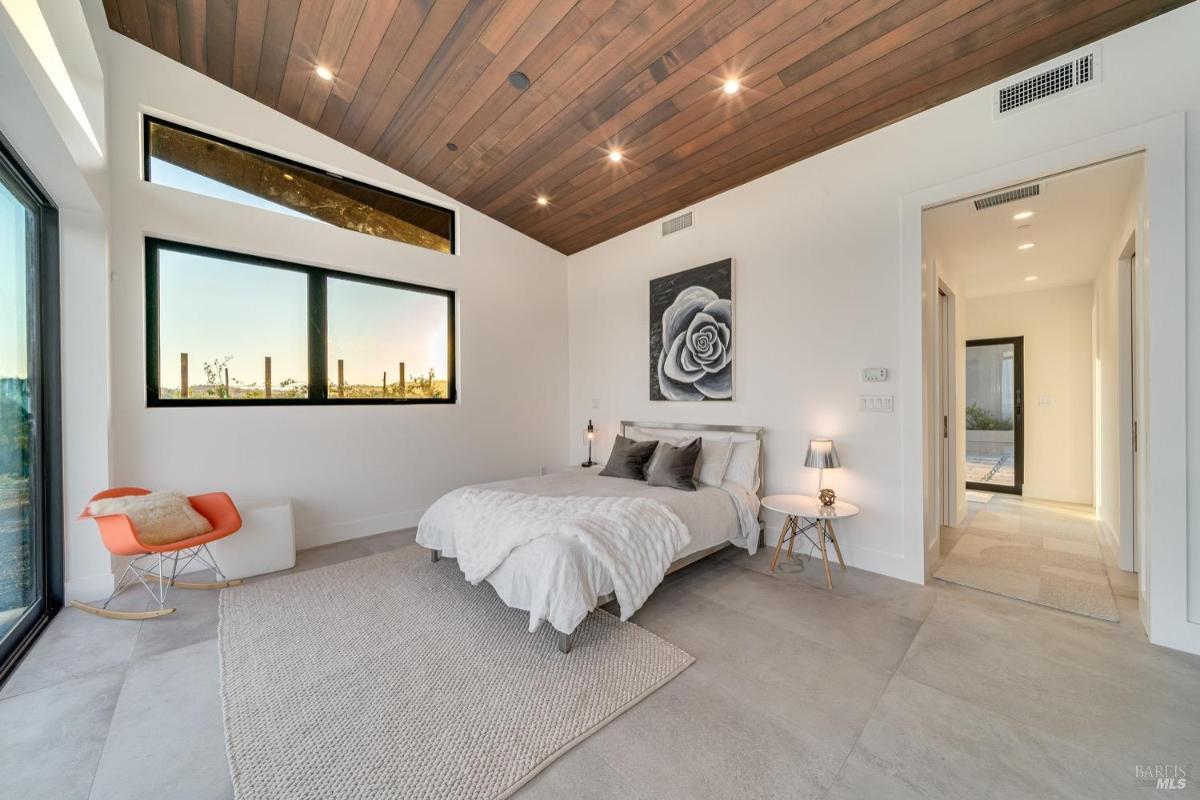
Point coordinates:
[(874, 374)]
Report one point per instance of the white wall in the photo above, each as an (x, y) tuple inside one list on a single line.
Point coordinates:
[(38, 140), (1113, 384), (1057, 327), (350, 471), (818, 278)]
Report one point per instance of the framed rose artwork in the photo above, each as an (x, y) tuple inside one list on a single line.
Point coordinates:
[(691, 334)]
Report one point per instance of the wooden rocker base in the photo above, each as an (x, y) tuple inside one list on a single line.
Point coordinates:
[(178, 584), (111, 614)]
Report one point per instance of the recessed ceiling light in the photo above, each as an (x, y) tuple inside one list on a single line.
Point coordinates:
[(451, 146), (519, 80), (324, 73), (614, 156), (1031, 277), (1023, 215), (543, 200), (732, 86), (1026, 246)]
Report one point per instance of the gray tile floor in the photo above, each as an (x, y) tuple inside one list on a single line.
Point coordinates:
[(878, 689)]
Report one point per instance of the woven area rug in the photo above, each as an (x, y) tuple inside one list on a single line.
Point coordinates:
[(1065, 570), (392, 677)]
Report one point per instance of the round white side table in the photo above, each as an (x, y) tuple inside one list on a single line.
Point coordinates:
[(804, 514)]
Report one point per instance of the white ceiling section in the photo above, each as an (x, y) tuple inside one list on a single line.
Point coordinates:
[(1071, 230)]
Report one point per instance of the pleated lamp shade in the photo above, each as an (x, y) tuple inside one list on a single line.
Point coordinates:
[(821, 454)]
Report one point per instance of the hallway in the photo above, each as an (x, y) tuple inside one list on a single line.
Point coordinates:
[(1052, 554)]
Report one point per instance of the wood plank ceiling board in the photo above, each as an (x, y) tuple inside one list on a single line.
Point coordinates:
[(423, 85)]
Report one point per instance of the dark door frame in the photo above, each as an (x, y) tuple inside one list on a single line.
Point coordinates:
[(1018, 343), (45, 387)]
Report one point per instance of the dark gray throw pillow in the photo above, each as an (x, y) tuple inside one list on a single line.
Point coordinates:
[(628, 459), (675, 466)]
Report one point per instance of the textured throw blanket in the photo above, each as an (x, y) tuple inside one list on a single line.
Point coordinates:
[(635, 538)]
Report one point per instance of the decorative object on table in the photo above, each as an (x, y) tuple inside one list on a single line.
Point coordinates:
[(691, 334), (827, 497), (145, 525), (822, 455), (591, 435), (803, 516)]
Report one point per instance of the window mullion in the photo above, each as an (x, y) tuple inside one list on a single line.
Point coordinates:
[(318, 338)]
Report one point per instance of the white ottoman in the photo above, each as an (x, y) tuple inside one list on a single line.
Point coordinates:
[(266, 542)]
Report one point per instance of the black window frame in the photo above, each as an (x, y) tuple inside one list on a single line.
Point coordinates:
[(45, 384), (318, 333), (300, 166)]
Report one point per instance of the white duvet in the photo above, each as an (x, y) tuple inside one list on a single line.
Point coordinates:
[(555, 575), (634, 538)]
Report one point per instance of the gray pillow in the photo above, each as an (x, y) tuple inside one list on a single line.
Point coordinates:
[(628, 459), (675, 466)]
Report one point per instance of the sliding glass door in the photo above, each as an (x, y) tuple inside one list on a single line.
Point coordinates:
[(995, 423), (30, 535)]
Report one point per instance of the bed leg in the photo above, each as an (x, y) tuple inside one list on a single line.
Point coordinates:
[(564, 640), (435, 556)]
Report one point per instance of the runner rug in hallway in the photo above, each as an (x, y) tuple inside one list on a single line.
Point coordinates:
[(390, 676), (1064, 570)]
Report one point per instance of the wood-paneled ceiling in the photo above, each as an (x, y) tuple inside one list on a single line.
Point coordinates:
[(422, 85)]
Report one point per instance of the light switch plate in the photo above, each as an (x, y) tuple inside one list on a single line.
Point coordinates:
[(874, 374), (878, 403)]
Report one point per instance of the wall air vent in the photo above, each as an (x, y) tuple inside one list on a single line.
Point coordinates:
[(1007, 196), (1070, 75), (678, 223)]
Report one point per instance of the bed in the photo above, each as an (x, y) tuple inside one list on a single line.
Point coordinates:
[(560, 576)]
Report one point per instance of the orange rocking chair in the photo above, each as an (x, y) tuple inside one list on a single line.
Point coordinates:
[(121, 538)]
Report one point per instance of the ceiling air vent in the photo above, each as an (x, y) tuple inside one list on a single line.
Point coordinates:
[(1000, 198), (1067, 76), (677, 224)]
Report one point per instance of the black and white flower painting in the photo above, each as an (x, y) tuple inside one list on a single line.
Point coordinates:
[(691, 334)]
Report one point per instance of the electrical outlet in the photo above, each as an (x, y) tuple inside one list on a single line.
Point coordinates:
[(879, 403)]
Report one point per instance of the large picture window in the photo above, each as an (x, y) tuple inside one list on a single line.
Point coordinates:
[(224, 328), (196, 162)]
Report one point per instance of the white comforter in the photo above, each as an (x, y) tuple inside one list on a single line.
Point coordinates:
[(634, 538), (555, 577)]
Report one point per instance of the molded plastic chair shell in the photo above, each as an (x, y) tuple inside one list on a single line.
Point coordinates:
[(120, 535)]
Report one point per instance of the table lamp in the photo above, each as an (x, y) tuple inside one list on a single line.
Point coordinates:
[(822, 456), (591, 436)]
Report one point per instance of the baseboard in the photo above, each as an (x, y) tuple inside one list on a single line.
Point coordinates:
[(90, 587), (356, 529)]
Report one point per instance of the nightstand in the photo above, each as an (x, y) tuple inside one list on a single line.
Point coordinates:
[(804, 516)]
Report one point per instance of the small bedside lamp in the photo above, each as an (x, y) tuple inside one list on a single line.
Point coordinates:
[(591, 436), (822, 456)]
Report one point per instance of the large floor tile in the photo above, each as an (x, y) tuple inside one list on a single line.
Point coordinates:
[(76, 644), (946, 748), (166, 738), (51, 738), (823, 696), (393, 540), (194, 620), (861, 630), (692, 741), (1134, 717), (579, 775), (897, 597)]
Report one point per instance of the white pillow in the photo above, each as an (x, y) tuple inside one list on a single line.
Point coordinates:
[(158, 518), (743, 465), (714, 459)]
